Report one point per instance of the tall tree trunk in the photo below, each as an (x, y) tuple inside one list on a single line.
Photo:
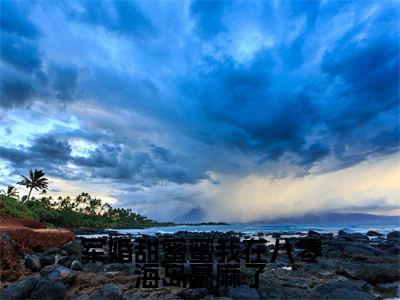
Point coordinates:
[(30, 191)]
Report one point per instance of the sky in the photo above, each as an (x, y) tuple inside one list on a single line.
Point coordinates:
[(243, 110)]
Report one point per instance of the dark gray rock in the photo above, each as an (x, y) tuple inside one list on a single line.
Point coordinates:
[(73, 247), (372, 273), (130, 295), (54, 250), (313, 234), (75, 257), (32, 262), (48, 289), (67, 264), (328, 235), (46, 260), (61, 260), (374, 233), (357, 248), (92, 267), (359, 237), (76, 265), (59, 273), (21, 289), (393, 235), (394, 249), (333, 254), (341, 289), (389, 290), (243, 292), (195, 293), (109, 291), (126, 268)]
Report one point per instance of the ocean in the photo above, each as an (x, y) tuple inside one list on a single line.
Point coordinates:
[(253, 229)]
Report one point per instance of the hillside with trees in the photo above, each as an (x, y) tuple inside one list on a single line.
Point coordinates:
[(71, 212)]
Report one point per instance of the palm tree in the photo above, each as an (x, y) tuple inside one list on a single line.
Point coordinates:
[(35, 181), (10, 192)]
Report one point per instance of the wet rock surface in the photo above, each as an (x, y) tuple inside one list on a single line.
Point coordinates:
[(32, 262), (352, 266)]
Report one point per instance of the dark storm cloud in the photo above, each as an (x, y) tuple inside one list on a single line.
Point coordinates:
[(15, 92), (260, 107), (57, 84), (307, 79), (249, 113), (146, 168), (20, 52), (369, 70), (65, 82), (13, 19), (45, 151), (314, 153), (26, 73)]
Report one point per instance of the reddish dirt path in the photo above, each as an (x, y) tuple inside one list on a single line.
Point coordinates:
[(30, 234)]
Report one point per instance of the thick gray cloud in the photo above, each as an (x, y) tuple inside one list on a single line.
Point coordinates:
[(146, 167), (169, 94)]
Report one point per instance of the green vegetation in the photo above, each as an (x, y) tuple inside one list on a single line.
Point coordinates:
[(81, 211), (10, 207), (11, 191)]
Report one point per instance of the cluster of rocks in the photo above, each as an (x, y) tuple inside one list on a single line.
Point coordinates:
[(55, 271), (68, 255), (352, 266), (52, 283)]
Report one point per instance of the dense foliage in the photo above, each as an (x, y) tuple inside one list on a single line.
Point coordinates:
[(10, 207), (81, 211)]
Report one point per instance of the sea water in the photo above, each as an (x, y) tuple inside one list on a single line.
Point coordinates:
[(253, 229)]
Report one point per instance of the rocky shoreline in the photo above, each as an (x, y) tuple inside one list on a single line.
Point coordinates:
[(352, 266)]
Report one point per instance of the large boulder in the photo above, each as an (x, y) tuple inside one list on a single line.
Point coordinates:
[(352, 237), (357, 248), (62, 259), (342, 289), (370, 272), (313, 234), (394, 249), (21, 289), (73, 247), (76, 265), (48, 289), (359, 237), (374, 233), (59, 273), (394, 235), (46, 260), (32, 262)]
